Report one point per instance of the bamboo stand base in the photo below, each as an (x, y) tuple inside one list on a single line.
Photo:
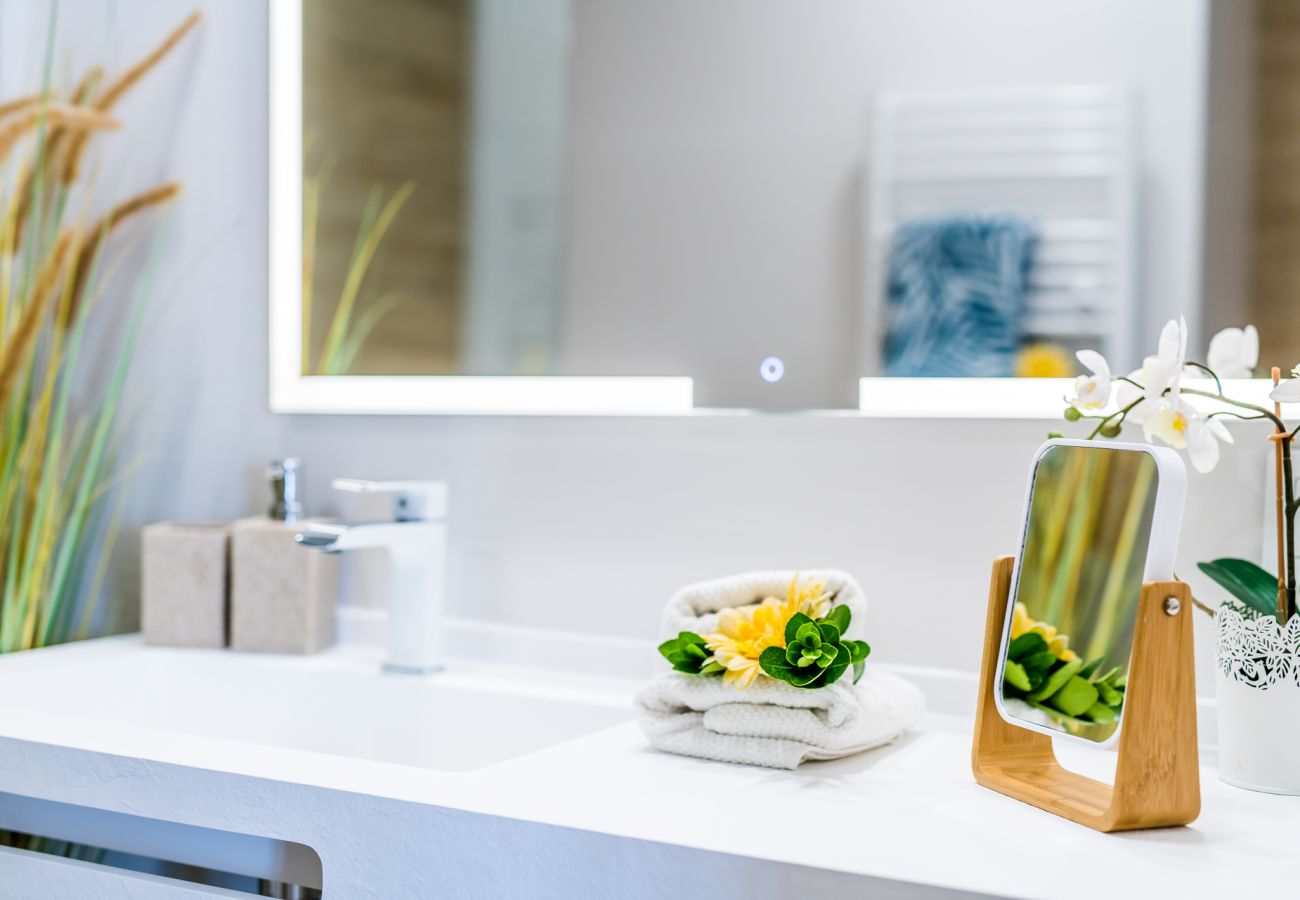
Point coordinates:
[(1157, 777)]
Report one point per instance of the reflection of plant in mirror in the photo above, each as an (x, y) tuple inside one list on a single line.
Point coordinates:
[(56, 466), (349, 327), (1042, 671), (1155, 397)]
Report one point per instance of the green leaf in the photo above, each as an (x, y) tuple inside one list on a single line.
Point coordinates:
[(858, 653), (829, 631), (1108, 695), (773, 661), (1076, 697), (1038, 665), (1057, 680), (797, 621), (1090, 668), (688, 654), (671, 650), (1028, 644), (1249, 583), (836, 669), (1109, 676), (1014, 675), (805, 678), (1101, 714), (808, 634), (840, 617)]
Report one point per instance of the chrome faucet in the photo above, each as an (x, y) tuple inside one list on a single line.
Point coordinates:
[(415, 537)]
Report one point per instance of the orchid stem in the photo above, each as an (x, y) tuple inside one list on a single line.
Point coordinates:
[(1204, 368), (1291, 506), (1235, 415), (1240, 404), (1121, 413)]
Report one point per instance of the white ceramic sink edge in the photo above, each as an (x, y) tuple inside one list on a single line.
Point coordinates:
[(338, 703)]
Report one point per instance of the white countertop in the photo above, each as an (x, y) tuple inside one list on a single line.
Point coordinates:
[(910, 812)]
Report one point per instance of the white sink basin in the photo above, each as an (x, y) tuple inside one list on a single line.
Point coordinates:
[(337, 703)]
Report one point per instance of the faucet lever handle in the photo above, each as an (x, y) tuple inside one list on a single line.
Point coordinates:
[(413, 501)]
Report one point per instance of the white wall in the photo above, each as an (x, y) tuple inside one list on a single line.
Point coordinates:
[(569, 523), (717, 153)]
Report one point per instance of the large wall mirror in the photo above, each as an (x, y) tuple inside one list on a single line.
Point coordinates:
[(654, 205)]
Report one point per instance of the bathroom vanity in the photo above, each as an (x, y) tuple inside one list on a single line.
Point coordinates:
[(677, 214), (499, 779)]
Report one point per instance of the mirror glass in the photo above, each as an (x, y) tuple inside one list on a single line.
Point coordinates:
[(776, 198), (1078, 581)]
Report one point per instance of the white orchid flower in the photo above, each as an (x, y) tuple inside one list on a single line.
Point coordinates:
[(1163, 375), (1127, 393), (1158, 373), (1092, 391), (1169, 422), (1234, 352), (1183, 427), (1203, 439), (1289, 390)]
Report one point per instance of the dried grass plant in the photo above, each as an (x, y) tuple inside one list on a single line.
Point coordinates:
[(57, 458)]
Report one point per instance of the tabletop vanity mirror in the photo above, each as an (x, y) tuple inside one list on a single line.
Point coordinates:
[(604, 206)]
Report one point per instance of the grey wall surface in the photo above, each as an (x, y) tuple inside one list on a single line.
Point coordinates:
[(570, 523)]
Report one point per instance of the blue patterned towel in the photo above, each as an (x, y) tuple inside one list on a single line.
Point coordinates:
[(956, 295)]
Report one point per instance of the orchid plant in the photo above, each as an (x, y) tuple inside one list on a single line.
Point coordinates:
[(1155, 398)]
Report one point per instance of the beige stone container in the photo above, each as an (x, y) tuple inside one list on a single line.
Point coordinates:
[(183, 597), (282, 596)]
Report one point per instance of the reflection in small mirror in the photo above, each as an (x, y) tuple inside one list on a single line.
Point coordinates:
[(849, 188)]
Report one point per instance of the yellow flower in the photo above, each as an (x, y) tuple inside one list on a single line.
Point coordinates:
[(744, 632), (808, 597), (1020, 621), (1043, 361), (1023, 623)]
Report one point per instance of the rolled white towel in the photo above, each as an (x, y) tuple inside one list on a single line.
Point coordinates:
[(770, 723), (695, 607)]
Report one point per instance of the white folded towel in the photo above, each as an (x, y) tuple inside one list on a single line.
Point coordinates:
[(770, 723), (773, 724)]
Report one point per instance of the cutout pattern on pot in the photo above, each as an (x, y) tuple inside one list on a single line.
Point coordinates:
[(1256, 652)]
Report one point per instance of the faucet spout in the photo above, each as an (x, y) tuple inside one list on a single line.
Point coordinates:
[(321, 537), (417, 554), (331, 537)]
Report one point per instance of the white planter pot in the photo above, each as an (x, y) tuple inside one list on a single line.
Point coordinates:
[(1257, 681)]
